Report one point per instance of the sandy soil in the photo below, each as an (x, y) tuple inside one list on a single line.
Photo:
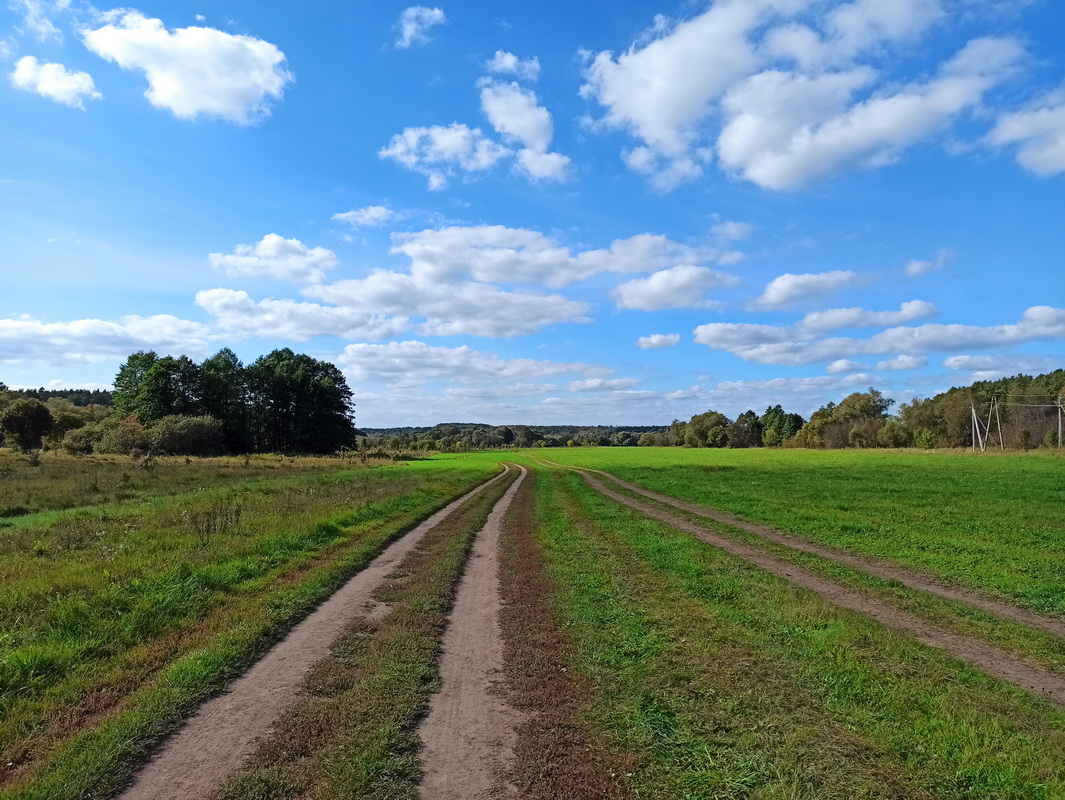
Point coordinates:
[(215, 742), (983, 656), (879, 569), (469, 733)]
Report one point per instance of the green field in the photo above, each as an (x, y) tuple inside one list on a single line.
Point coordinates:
[(688, 672)]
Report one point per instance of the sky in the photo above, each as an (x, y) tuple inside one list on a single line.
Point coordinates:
[(539, 213)]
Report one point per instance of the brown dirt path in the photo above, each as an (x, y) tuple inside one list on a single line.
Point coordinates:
[(984, 657), (870, 566), (469, 732), (221, 735)]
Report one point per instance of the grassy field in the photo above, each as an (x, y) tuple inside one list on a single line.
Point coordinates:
[(648, 663), (118, 616)]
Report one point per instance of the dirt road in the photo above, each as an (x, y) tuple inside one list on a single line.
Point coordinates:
[(469, 733), (216, 741)]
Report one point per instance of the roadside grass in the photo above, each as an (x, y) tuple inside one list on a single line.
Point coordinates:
[(988, 522), (1029, 643), (723, 681), (354, 737), (116, 621), (62, 481)]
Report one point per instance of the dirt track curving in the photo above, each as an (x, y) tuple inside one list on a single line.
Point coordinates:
[(216, 741), (985, 657), (469, 732)]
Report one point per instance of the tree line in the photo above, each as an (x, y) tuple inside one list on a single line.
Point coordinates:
[(283, 402)]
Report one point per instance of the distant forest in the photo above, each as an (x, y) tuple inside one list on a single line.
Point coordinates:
[(285, 402)]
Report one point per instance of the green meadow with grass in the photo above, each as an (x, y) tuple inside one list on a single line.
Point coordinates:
[(133, 591)]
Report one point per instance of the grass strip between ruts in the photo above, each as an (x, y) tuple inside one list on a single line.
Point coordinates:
[(95, 763), (730, 683), (354, 737)]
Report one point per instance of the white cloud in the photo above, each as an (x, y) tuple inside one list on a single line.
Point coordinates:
[(368, 216), (54, 81), (801, 395), (784, 130), (515, 112), (902, 362), (732, 231), (438, 151), (837, 318), (236, 312), (276, 257), (602, 384), (788, 288), (92, 340), (1003, 365), (781, 96), (451, 308), (794, 346), (414, 362), (504, 63), (683, 286), (498, 254), (656, 340), (195, 71), (1039, 133), (416, 22), (917, 268), (844, 365), (36, 19)]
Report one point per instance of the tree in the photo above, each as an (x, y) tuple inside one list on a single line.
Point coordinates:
[(745, 431), (224, 396), (708, 429), (129, 379), (26, 422)]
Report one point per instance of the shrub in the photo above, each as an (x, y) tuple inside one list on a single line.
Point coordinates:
[(187, 436), (80, 441), (123, 437)]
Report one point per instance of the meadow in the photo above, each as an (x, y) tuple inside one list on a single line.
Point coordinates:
[(646, 661)]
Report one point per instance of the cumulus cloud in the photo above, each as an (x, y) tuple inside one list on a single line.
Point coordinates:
[(516, 113), (795, 346), (788, 289), (656, 340), (775, 89), (602, 384), (1003, 365), (54, 81), (366, 217), (902, 362), (93, 340), (414, 361), (838, 318), (416, 22), (504, 63), (682, 286), (1039, 133), (784, 130), (498, 254), (276, 257), (438, 151), (194, 71), (844, 365)]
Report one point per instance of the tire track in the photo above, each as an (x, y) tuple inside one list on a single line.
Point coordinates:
[(984, 657), (469, 733), (217, 740)]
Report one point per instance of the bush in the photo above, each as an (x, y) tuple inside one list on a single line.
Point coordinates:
[(187, 436), (123, 437), (81, 441), (924, 439)]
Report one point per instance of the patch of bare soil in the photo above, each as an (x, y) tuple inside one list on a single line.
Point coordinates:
[(870, 566), (468, 734), (221, 735), (984, 657)]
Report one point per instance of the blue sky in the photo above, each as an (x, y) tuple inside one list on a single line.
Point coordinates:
[(539, 212)]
